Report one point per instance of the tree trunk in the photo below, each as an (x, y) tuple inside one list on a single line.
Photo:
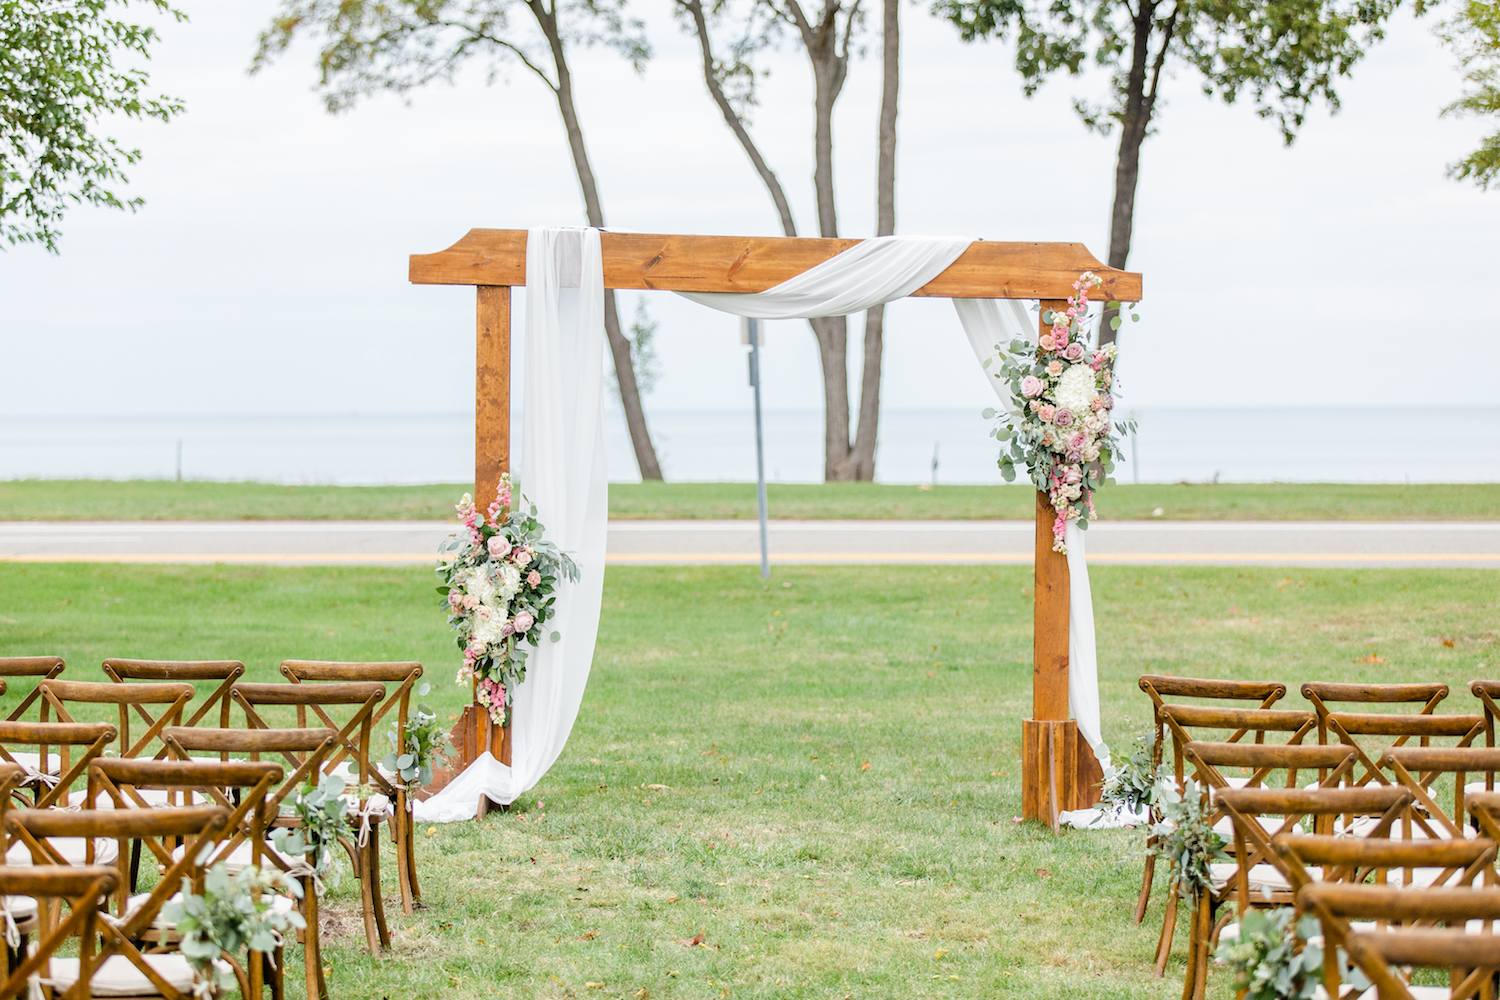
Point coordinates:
[(1139, 105), (885, 225), (619, 345)]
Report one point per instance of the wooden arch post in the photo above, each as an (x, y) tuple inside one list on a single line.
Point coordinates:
[(1059, 771)]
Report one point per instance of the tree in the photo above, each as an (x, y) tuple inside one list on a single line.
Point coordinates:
[(1283, 54), (58, 78), (400, 45), (1474, 33), (826, 35)]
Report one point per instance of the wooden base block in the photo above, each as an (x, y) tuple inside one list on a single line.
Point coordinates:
[(1058, 770)]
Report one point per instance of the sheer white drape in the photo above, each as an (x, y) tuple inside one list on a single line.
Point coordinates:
[(891, 267), (563, 472)]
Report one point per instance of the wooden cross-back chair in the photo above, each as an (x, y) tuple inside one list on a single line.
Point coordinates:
[(1180, 721), (1254, 868), (1160, 687), (1484, 807), (84, 889), (1419, 768), (1394, 731), (1327, 698), (50, 786), (366, 811), (56, 695), (1407, 934), (226, 672), (403, 674), (44, 667), (124, 970)]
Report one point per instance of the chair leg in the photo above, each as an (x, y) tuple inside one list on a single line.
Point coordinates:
[(411, 861), (366, 898), (1146, 879), (376, 895), (312, 952), (1168, 931), (400, 827)]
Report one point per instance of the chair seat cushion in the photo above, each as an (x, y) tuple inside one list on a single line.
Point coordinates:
[(155, 797), (279, 904), (72, 849), (242, 857), (117, 976), (1261, 877)]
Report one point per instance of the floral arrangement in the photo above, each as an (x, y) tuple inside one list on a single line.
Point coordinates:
[(1184, 837), (425, 743), (324, 814), (1131, 787), (1060, 423), (499, 579), (1272, 958), (234, 912)]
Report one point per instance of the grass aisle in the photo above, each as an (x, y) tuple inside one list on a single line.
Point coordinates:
[(818, 777), (160, 500)]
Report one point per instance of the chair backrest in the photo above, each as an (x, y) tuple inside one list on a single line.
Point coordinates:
[(1405, 936), (1160, 687), (1419, 768), (1394, 731), (84, 888), (1190, 723), (360, 698), (226, 672), (57, 694), (1324, 696), (1358, 859), (244, 789), (46, 667), (1208, 759), (1245, 806), (404, 674), (91, 739)]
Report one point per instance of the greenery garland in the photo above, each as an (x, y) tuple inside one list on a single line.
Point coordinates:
[(234, 913), (426, 743), (1185, 838), (324, 816)]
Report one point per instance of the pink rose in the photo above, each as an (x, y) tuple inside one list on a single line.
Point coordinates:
[(1054, 368), (1073, 475), (523, 556), (1032, 386), (1045, 341), (1077, 440), (1096, 404), (523, 622), (1063, 417), (455, 599), (1074, 352), (476, 648), (534, 579), (509, 628), (470, 602), (1046, 411), (1098, 359), (499, 546)]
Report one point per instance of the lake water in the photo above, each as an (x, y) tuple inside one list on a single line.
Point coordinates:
[(1234, 445)]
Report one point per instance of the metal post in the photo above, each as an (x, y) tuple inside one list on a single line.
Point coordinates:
[(1135, 452), (760, 449)]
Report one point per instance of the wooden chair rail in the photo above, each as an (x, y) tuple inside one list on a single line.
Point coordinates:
[(1386, 724), (1385, 902), (1375, 852), (1269, 755), (308, 694), (117, 823), (30, 666), (1367, 801), (106, 693), (69, 733), (56, 880), (248, 740), (330, 670), (1214, 717), (1431, 948), (1444, 759), (1373, 693), (158, 774), (173, 670), (1203, 687)]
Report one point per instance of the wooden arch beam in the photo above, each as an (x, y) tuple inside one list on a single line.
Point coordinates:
[(755, 263)]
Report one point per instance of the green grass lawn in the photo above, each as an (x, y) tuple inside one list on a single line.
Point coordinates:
[(160, 500), (717, 780)]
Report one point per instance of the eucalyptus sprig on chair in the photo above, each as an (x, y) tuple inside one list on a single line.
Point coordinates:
[(1185, 838), (1131, 786), (426, 743), (234, 913), (324, 815), (1273, 957)]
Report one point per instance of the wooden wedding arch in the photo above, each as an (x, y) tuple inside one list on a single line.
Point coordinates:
[(1059, 770)]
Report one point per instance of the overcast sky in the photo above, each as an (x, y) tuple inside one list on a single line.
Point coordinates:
[(267, 271)]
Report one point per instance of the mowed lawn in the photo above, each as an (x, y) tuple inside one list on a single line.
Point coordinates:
[(818, 776)]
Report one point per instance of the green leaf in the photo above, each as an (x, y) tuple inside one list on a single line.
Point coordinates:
[(1114, 322), (1135, 317)]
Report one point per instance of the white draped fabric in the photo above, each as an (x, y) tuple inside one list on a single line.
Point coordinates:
[(563, 472), (892, 267)]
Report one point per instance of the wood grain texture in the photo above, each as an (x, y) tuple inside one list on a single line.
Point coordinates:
[(491, 391), (754, 263), (1049, 674), (1049, 762)]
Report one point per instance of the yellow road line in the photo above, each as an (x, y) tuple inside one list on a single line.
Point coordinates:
[(627, 558)]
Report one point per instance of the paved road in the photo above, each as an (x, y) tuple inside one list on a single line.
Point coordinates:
[(792, 542)]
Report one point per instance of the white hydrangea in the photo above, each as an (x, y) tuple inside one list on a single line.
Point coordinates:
[(487, 625), (1075, 390), (477, 582), (509, 584)]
